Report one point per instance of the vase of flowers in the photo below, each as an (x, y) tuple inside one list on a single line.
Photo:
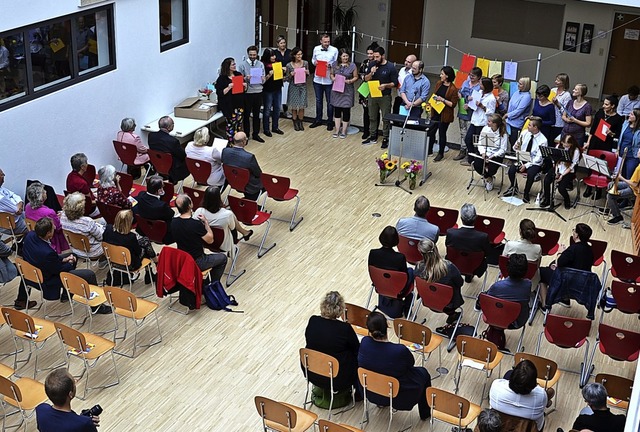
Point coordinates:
[(411, 171), (205, 93), (427, 110), (386, 166)]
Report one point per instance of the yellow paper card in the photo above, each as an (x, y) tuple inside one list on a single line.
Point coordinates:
[(436, 104), (374, 91), (525, 126), (484, 65), (277, 71), (495, 67), (56, 45), (552, 95), (534, 87)]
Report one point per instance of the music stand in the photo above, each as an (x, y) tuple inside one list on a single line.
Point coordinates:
[(556, 155), (490, 142), (601, 167)]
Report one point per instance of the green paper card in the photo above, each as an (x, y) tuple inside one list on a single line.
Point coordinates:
[(364, 89)]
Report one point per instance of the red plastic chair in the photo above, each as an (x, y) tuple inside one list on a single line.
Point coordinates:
[(108, 211), (237, 177), (548, 241), (436, 297), (127, 154), (90, 174), (616, 343), (387, 283), (566, 332), (444, 218), (247, 212), (218, 240), (155, 230), (598, 248), (168, 188), (627, 296), (601, 181), (409, 248), (162, 162), (277, 188), (467, 263), (625, 266), (492, 226), (196, 195), (125, 182), (199, 169), (532, 268), (499, 313)]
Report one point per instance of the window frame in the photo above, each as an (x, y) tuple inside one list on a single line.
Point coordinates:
[(185, 28)]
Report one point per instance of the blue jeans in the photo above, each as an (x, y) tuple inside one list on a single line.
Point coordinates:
[(319, 90), (271, 100)]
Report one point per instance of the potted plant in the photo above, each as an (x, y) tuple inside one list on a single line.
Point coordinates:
[(344, 18)]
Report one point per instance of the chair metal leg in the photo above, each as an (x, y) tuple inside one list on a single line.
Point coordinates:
[(231, 277)]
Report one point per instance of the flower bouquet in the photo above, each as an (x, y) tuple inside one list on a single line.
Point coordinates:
[(204, 93), (386, 166), (427, 110), (411, 171)]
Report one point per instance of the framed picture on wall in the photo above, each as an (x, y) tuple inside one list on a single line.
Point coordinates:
[(587, 36), (570, 40)]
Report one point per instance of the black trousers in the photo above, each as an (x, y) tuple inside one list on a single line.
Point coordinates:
[(252, 105), (531, 175)]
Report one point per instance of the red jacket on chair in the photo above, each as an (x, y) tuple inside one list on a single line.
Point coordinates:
[(178, 267)]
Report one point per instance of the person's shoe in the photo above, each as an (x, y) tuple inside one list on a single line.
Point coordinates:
[(334, 135), (567, 205), (315, 124), (476, 306), (102, 263), (288, 115), (22, 304), (544, 204), (258, 138), (301, 125), (587, 192), (247, 236), (461, 155), (385, 143), (598, 194), (296, 126), (468, 278), (438, 157), (277, 131), (537, 177), (453, 317), (615, 220), (627, 225), (267, 133), (330, 126), (511, 191), (102, 309), (604, 211), (565, 303), (526, 199), (488, 185), (465, 162), (365, 135), (370, 140), (342, 136)]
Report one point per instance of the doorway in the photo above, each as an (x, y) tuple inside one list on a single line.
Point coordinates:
[(403, 27), (624, 54)]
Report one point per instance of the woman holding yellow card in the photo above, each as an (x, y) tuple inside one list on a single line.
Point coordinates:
[(446, 93), (271, 92)]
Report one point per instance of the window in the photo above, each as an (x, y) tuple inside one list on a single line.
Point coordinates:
[(45, 57), (174, 23)]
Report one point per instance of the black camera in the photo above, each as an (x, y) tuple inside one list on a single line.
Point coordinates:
[(95, 411)]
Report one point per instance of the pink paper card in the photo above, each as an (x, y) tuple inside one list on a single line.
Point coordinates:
[(300, 76), (321, 68), (338, 84)]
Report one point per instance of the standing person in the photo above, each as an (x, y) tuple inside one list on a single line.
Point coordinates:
[(484, 107), (415, 90), (447, 93), (502, 98), (283, 55), (630, 138), (629, 102), (362, 100), (519, 108), (231, 105), (608, 114), (529, 142), (577, 115), (543, 108), (297, 97), (163, 141), (402, 74), (322, 84), (271, 95), (471, 84), (560, 100), (385, 73), (253, 97), (564, 175), (498, 141), (342, 102)]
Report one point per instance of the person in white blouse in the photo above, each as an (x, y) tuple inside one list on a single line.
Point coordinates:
[(198, 149), (564, 174), (12, 203), (492, 146), (483, 104)]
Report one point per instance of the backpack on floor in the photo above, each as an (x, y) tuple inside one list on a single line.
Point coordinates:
[(495, 335), (217, 298)]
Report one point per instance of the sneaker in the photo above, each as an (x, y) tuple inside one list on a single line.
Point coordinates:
[(102, 309), (370, 140), (626, 225), (488, 185), (335, 135), (476, 306), (438, 157), (288, 115), (565, 303), (365, 135), (615, 220), (342, 136), (385, 143)]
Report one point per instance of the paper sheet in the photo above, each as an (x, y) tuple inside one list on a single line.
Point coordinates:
[(300, 76), (364, 89), (483, 64), (510, 70), (374, 90), (238, 84), (476, 96), (338, 84), (435, 104), (256, 76), (495, 67), (277, 71), (460, 77), (468, 61), (321, 68)]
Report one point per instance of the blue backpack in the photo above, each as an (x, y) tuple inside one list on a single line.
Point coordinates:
[(217, 298)]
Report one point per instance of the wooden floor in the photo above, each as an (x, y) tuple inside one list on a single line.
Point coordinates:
[(206, 372)]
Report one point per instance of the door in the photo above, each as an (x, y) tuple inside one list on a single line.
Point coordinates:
[(404, 27), (624, 55)]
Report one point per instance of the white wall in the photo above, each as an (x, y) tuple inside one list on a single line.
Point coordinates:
[(38, 138)]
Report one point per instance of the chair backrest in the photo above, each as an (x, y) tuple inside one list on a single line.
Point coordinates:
[(546, 368), (477, 349), (627, 296), (493, 226), (155, 230), (610, 157), (121, 299), (126, 152), (378, 383), (125, 182), (498, 312), (548, 241), (276, 186), (434, 295), (108, 211), (19, 320), (448, 403), (388, 283), (566, 332), (196, 195), (7, 221), (319, 363), (29, 272), (276, 412), (75, 284), (329, 426), (412, 331), (71, 337), (119, 255), (625, 266), (161, 161), (467, 262), (598, 248), (409, 248), (218, 239), (444, 218), (77, 241), (199, 169), (619, 344), (31, 224), (168, 189), (90, 174), (617, 386), (244, 209), (356, 315), (236, 176), (10, 389), (532, 267)]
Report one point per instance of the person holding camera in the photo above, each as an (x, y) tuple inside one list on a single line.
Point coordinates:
[(60, 388)]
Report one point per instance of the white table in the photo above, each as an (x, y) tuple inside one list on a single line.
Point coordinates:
[(183, 128)]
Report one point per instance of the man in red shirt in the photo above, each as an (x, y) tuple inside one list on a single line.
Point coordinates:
[(77, 183)]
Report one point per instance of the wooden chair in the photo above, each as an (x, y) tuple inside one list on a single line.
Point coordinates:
[(444, 218), (25, 395), (155, 230), (127, 154), (119, 258), (357, 317), (8, 222), (548, 372), (130, 307), (451, 408), (499, 313), (87, 347), (380, 384), (325, 365), (282, 417), (616, 343), (436, 297), (409, 248), (387, 283), (31, 224), (277, 188), (328, 426), (478, 354), (247, 212), (419, 339), (618, 389), (33, 275), (80, 242), (81, 292), (200, 170)]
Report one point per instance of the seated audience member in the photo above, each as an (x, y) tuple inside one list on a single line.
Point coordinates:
[(109, 191), (191, 233), (237, 156), (151, 206), (217, 215), (564, 174), (388, 259), (198, 149), (520, 395), (330, 335), (162, 141), (417, 226), (515, 287), (434, 268), (12, 203), (77, 183), (577, 256), (530, 142), (380, 355), (9, 272), (127, 135), (489, 421), (525, 245), (596, 416), (627, 188), (72, 219), (60, 387), (468, 239), (629, 102), (492, 146), (35, 210)]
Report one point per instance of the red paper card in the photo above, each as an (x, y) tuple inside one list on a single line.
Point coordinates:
[(238, 84), (460, 77), (602, 130), (468, 62), (495, 92), (321, 68)]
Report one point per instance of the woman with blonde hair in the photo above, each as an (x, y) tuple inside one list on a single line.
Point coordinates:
[(120, 234), (74, 220), (198, 149), (577, 115)]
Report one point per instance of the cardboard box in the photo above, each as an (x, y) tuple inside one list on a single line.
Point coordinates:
[(195, 108)]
